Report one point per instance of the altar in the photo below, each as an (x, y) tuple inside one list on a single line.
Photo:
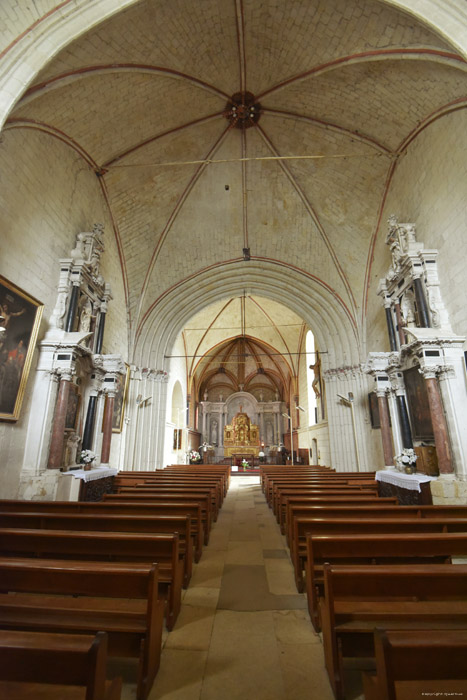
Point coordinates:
[(241, 437)]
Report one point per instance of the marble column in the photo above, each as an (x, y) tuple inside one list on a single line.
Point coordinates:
[(58, 427), (438, 419), (400, 327), (397, 383), (385, 428), (422, 306), (70, 319), (88, 433), (396, 429), (107, 428), (390, 325)]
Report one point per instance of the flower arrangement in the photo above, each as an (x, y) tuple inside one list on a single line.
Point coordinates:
[(406, 460), (194, 457), (245, 464), (87, 456)]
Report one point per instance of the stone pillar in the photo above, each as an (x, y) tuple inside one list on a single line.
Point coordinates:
[(396, 429), (107, 428), (385, 428), (423, 314), (438, 419), (261, 426), (390, 325), (398, 386), (58, 427), (70, 319)]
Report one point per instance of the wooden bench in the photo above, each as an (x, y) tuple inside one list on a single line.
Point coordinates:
[(344, 526), (169, 477), (275, 486), (168, 497), (158, 508), (358, 599), (48, 666), (365, 511), (104, 522), (406, 548), (415, 663), (82, 597), (281, 495), (216, 487), (105, 547), (337, 501), (162, 488)]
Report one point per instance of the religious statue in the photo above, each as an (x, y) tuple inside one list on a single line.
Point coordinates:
[(316, 383)]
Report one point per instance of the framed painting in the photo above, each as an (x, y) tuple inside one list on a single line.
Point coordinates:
[(119, 402), (419, 409), (20, 317), (374, 410)]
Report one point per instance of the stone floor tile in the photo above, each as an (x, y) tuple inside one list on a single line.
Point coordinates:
[(294, 627), (192, 630), (201, 597), (303, 672), (244, 553), (180, 675), (280, 582)]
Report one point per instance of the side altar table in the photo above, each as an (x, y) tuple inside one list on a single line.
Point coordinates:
[(409, 489), (90, 485)]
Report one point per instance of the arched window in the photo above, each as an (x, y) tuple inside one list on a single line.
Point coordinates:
[(310, 375)]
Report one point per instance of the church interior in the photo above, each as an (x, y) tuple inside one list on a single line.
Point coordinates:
[(270, 277)]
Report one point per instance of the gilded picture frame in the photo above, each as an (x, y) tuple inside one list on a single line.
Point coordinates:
[(119, 402), (21, 317)]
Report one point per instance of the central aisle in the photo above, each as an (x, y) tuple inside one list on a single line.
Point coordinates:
[(243, 631)]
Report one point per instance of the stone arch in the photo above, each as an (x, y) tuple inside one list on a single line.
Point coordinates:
[(27, 55), (308, 297)]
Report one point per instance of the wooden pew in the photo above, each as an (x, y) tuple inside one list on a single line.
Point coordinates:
[(337, 501), (346, 526), (105, 546), (276, 485), (159, 508), (281, 495), (422, 548), (368, 510), (203, 501), (358, 599), (50, 666), (82, 597), (162, 489), (181, 472), (415, 663), (153, 524)]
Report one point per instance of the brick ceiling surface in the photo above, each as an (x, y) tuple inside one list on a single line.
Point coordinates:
[(344, 83)]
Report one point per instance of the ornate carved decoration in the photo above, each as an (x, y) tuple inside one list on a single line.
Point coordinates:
[(242, 110)]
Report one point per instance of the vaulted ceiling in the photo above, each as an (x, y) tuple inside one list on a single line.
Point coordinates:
[(340, 87)]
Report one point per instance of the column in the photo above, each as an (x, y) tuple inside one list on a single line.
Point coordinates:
[(261, 426), (422, 306), (58, 427), (396, 430), (390, 325), (398, 386), (88, 432), (107, 427), (400, 327), (385, 429), (438, 419), (70, 319)]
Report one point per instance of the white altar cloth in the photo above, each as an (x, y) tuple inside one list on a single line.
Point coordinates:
[(404, 481), (92, 474)]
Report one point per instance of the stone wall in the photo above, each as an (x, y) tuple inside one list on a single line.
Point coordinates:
[(48, 195)]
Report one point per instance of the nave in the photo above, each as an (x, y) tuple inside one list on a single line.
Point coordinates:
[(243, 630)]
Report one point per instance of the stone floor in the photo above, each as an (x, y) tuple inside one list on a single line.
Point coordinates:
[(243, 632)]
